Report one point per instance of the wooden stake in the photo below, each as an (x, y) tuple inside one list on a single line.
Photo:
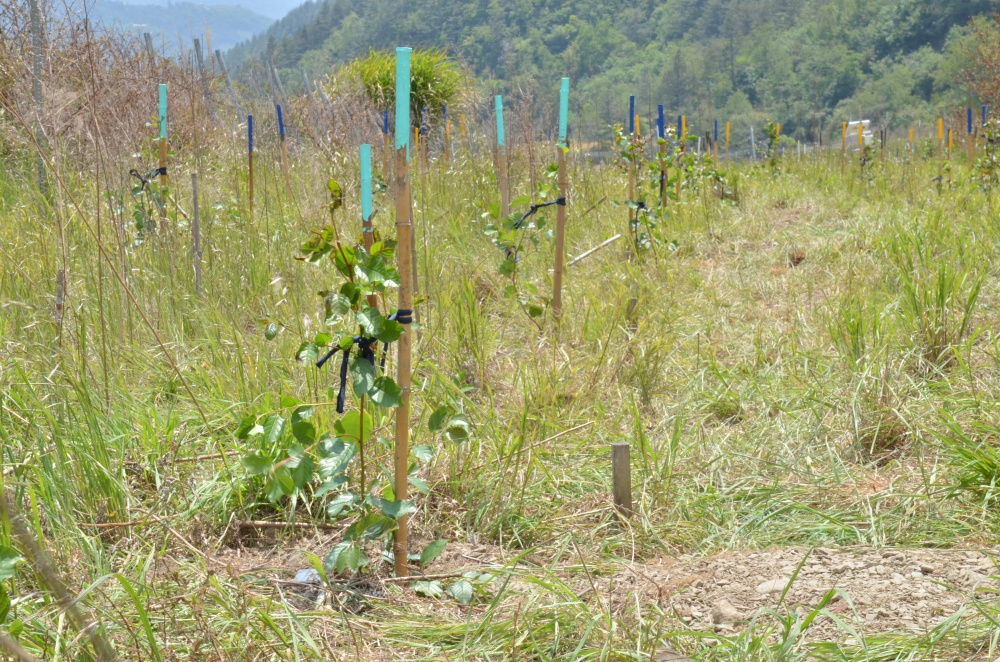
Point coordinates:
[(621, 478), (196, 236), (204, 77), (404, 227), (727, 142), (229, 82), (843, 149)]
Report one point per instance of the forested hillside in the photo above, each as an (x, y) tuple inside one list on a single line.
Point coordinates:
[(808, 63)]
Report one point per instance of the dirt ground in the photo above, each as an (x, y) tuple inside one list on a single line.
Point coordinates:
[(886, 590), (889, 590)]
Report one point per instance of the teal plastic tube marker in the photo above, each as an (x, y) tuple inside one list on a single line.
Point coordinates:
[(501, 138), (563, 110), (163, 110), (366, 182), (403, 99)]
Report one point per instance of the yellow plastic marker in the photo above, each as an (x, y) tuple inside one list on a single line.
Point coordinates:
[(638, 131), (461, 121), (416, 138), (778, 130), (861, 134), (684, 127), (940, 129), (911, 138)]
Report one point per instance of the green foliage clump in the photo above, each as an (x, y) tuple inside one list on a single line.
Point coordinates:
[(435, 79)]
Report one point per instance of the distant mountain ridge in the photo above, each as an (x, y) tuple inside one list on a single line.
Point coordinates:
[(183, 21), (806, 63), (273, 9)]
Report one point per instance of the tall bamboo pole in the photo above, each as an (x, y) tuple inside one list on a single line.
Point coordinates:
[(404, 226), (36, 87), (229, 82), (561, 209), (284, 148), (661, 134)]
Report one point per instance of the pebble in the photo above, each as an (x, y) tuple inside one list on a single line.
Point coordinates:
[(773, 585), (724, 612)]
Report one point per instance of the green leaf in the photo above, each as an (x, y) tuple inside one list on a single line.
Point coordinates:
[(302, 413), (279, 485), (302, 473), (423, 452), (397, 508), (432, 551), (345, 556), (458, 429), (386, 393), (336, 194), (416, 482), (329, 486), (307, 352), (339, 503), (289, 401), (274, 426), (247, 424), (438, 418), (462, 591), (370, 320), (271, 330), (520, 201), (507, 267), (304, 432), (4, 604), (336, 305), (350, 426), (428, 589), (256, 464), (535, 310), (352, 292), (370, 527), (362, 376), (16, 628), (322, 339), (390, 332), (9, 560)]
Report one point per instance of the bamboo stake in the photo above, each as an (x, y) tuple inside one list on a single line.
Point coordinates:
[(403, 232), (150, 49), (661, 128), (204, 77), (632, 246), (727, 142), (561, 209), (715, 144), (36, 87), (229, 82), (843, 149), (447, 133), (250, 160), (196, 235)]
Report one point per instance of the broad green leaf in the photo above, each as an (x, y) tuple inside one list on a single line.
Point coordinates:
[(397, 508), (344, 556), (256, 464), (362, 376), (521, 201), (371, 526), (350, 426), (458, 429), (386, 393), (9, 560), (336, 305), (288, 401), (247, 424), (423, 452), (271, 330), (432, 551), (329, 486), (507, 267), (302, 413), (307, 352), (390, 331), (535, 310), (274, 426), (336, 194), (302, 473), (339, 503), (322, 339), (438, 418), (304, 432), (4, 604), (428, 589), (462, 591), (279, 485), (352, 292), (416, 482), (370, 320)]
